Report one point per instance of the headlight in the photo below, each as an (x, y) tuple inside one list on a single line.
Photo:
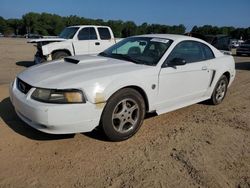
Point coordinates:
[(58, 96)]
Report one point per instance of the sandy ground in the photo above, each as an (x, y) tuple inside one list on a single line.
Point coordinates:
[(197, 146)]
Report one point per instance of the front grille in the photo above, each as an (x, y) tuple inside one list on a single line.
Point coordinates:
[(243, 49), (23, 86)]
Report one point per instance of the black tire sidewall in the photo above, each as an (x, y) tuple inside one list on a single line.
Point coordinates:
[(106, 119), (59, 55), (213, 98)]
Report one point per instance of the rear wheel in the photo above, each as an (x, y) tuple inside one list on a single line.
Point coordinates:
[(123, 114), (59, 55), (220, 91)]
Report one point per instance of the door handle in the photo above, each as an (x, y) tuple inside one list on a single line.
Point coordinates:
[(204, 68), (97, 43)]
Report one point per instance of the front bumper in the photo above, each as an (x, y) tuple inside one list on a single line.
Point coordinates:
[(39, 58), (243, 51), (55, 118)]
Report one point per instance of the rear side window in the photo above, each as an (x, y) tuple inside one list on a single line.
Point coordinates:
[(208, 53), (221, 43), (104, 33), (87, 33)]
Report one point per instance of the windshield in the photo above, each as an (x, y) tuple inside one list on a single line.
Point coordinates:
[(139, 50), (68, 32)]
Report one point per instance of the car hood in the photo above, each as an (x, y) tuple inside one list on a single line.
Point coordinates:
[(76, 71), (46, 40)]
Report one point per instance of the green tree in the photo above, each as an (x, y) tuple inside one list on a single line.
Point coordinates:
[(129, 29), (30, 21), (117, 27), (3, 25), (16, 25)]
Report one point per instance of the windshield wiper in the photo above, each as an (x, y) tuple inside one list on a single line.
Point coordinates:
[(125, 57), (128, 58), (104, 54)]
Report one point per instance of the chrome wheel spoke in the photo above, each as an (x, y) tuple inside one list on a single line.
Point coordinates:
[(117, 116), (131, 121), (125, 115), (124, 105), (120, 127), (133, 108), (220, 91)]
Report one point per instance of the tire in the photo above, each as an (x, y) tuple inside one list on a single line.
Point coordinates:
[(43, 60), (123, 114), (59, 55), (220, 91)]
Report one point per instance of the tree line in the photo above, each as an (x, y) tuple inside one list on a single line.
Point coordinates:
[(236, 33), (52, 24)]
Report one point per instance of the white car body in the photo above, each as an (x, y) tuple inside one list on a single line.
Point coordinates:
[(74, 46), (165, 89)]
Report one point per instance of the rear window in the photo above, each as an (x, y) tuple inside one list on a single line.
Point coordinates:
[(208, 53), (104, 33), (87, 33)]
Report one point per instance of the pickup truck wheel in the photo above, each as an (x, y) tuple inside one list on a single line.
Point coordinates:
[(220, 91), (123, 114), (59, 55)]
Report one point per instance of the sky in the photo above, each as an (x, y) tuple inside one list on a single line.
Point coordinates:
[(170, 12)]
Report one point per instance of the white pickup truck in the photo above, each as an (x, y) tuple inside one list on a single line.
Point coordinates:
[(74, 40)]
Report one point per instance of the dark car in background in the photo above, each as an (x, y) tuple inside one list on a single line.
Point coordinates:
[(33, 36), (244, 48), (221, 42)]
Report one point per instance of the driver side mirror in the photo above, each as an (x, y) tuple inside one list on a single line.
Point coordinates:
[(177, 61)]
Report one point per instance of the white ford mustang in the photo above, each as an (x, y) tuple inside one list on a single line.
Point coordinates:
[(114, 90)]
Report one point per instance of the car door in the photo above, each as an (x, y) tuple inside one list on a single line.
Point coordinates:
[(180, 85), (103, 42), (84, 37)]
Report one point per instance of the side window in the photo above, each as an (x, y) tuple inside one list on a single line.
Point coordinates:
[(190, 51), (208, 53), (87, 33), (104, 33)]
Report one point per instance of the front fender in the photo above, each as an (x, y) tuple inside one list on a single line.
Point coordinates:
[(55, 46), (102, 90)]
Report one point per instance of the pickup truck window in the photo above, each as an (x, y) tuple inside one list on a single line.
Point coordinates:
[(87, 33), (104, 33), (68, 32)]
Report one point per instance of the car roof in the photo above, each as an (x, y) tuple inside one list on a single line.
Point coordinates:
[(173, 37), (88, 26), (179, 38)]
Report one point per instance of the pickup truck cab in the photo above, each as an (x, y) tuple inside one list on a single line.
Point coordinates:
[(74, 40)]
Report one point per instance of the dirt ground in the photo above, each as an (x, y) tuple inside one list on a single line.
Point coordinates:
[(197, 146)]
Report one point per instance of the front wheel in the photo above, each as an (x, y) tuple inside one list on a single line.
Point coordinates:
[(59, 55), (220, 91), (123, 114)]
